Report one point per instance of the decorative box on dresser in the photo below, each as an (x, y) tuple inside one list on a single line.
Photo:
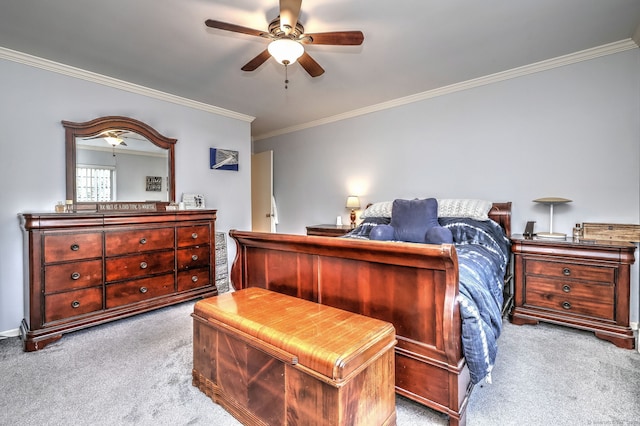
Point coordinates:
[(84, 269), (579, 283)]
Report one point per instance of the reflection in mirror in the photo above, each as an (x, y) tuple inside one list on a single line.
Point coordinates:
[(126, 167), (118, 159)]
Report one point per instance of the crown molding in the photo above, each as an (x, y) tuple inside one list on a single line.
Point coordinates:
[(45, 64), (583, 55)]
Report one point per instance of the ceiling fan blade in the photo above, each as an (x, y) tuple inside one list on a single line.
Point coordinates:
[(341, 38), (233, 28), (289, 13), (310, 65), (253, 64)]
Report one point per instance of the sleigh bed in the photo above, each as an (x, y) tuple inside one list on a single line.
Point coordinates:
[(416, 287)]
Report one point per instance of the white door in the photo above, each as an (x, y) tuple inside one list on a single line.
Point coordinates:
[(262, 214)]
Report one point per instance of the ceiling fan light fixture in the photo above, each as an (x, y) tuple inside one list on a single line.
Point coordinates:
[(113, 140), (285, 50)]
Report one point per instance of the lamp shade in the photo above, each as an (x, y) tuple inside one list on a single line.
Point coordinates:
[(353, 202), (285, 50)]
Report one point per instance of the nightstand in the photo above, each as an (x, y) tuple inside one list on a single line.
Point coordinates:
[(328, 230), (582, 284)]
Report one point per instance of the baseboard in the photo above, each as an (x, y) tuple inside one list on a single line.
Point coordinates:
[(633, 325), (10, 333)]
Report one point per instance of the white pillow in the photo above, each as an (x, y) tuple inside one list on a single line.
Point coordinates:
[(447, 207), (461, 207), (380, 209)]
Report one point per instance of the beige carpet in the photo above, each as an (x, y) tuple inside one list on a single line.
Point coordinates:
[(138, 372)]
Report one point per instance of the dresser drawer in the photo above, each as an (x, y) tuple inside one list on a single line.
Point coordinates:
[(73, 275), (193, 235), (139, 265), (193, 257), (139, 290), (595, 300), (139, 240), (195, 278), (571, 270), (63, 247), (72, 303)]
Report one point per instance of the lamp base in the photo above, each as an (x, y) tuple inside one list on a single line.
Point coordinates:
[(353, 218), (552, 235)]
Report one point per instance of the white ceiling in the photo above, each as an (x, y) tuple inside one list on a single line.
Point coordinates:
[(410, 46)]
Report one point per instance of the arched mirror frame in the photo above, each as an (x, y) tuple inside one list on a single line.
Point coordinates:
[(99, 125)]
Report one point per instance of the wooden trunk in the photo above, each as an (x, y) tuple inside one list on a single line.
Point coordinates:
[(272, 359)]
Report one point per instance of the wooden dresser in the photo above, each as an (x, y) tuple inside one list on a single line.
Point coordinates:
[(583, 284), (84, 269)]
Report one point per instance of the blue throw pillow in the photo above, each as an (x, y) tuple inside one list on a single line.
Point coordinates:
[(382, 233), (411, 219), (439, 235)]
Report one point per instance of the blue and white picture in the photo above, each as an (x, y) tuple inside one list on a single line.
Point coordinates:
[(223, 159)]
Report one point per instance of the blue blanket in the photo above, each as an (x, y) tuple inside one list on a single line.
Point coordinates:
[(483, 254)]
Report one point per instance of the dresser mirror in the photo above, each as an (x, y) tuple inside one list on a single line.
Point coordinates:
[(118, 162)]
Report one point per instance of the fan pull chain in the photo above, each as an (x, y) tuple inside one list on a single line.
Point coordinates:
[(286, 75)]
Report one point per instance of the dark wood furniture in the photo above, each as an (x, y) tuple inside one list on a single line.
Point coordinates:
[(412, 286), (582, 284), (328, 230), (271, 359), (84, 269)]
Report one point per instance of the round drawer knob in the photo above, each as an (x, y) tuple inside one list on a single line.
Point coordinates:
[(143, 290), (566, 271), (143, 241), (75, 247), (75, 304), (566, 305), (143, 265), (566, 288), (194, 278), (194, 235), (75, 275), (194, 257)]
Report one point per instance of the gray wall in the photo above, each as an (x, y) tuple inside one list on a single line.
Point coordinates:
[(32, 159), (571, 132)]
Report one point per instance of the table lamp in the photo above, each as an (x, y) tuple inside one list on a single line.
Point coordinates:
[(353, 203), (551, 201)]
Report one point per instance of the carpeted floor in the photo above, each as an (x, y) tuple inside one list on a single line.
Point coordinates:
[(137, 371)]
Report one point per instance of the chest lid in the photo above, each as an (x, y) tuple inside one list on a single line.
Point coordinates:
[(329, 341)]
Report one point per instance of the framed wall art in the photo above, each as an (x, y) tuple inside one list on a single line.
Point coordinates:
[(223, 159), (154, 183)]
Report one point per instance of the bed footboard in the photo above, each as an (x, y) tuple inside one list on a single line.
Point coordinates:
[(412, 286)]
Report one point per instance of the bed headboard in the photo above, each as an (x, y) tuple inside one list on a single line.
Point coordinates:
[(501, 213)]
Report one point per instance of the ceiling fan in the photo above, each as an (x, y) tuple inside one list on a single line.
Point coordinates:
[(113, 137), (287, 38)]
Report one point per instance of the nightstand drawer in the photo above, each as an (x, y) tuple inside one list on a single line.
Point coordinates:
[(570, 270), (576, 298)]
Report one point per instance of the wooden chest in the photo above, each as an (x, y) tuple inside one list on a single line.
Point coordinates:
[(272, 359)]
